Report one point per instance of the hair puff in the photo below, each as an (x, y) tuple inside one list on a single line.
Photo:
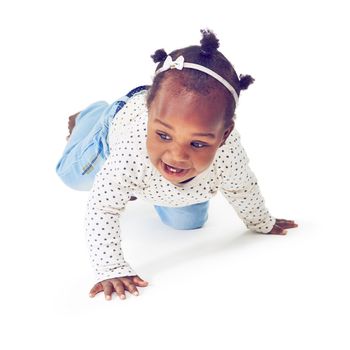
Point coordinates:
[(245, 81), (159, 56), (209, 42)]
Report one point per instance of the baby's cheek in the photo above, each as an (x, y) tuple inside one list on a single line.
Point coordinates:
[(153, 149), (204, 159)]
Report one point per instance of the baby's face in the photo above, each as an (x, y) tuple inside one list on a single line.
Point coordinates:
[(184, 133)]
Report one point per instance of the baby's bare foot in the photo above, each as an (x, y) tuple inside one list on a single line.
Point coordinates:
[(71, 124)]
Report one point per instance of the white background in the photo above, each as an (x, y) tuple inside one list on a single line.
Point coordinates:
[(222, 286)]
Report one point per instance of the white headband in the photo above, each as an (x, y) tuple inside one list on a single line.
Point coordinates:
[(180, 63)]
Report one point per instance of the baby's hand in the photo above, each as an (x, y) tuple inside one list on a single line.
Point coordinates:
[(118, 284), (281, 225)]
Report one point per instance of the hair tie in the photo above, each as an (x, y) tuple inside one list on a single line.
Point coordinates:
[(209, 43), (245, 81), (159, 56)]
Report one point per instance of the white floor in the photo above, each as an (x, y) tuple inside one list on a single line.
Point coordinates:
[(222, 286), (218, 286)]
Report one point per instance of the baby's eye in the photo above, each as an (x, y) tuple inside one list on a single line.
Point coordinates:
[(163, 136), (198, 144)]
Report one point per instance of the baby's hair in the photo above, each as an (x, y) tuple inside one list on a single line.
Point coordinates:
[(207, 55)]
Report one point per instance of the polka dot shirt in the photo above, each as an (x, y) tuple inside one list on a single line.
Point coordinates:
[(128, 171)]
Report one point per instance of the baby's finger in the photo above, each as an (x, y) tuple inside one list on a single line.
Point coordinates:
[(286, 224), (130, 286), (277, 230), (139, 281), (97, 288), (108, 290), (278, 221), (119, 288)]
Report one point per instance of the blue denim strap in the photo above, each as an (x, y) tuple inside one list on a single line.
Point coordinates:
[(122, 101)]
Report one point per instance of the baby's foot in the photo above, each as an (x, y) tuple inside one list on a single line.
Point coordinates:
[(71, 124)]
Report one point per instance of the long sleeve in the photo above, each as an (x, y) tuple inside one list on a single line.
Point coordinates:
[(110, 193), (240, 187)]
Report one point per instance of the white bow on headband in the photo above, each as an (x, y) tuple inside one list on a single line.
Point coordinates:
[(170, 64), (180, 63)]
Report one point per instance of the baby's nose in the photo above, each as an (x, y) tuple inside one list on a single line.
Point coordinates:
[(179, 155)]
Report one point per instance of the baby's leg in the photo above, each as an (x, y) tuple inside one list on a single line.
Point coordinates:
[(189, 217), (86, 149)]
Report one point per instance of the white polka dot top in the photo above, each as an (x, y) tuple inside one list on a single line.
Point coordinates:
[(128, 171)]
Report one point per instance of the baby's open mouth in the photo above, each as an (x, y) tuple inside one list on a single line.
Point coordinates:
[(174, 171)]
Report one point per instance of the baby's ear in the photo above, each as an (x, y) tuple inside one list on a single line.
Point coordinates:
[(227, 133)]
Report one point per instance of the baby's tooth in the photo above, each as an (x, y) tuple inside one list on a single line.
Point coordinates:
[(173, 170)]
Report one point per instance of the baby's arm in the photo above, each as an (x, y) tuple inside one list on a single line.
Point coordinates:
[(240, 187), (249, 203), (111, 191)]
